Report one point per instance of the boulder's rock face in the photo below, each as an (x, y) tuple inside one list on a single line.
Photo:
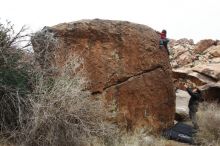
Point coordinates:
[(123, 64)]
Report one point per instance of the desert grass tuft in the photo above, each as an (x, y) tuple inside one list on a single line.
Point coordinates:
[(209, 123)]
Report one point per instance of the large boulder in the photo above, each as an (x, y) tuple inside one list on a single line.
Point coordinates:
[(123, 65)]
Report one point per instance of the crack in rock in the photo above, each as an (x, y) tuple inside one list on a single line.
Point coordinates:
[(125, 79)]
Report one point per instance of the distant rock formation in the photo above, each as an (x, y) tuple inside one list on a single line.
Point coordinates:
[(198, 63), (203, 45), (123, 65)]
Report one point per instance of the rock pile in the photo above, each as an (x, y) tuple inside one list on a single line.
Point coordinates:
[(199, 63)]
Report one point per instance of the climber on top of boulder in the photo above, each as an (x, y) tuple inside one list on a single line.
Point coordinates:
[(164, 40)]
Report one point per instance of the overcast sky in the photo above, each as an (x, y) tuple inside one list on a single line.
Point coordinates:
[(196, 19)]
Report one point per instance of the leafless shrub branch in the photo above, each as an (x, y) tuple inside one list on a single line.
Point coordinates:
[(65, 114)]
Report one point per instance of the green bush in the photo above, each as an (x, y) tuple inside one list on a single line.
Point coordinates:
[(15, 76)]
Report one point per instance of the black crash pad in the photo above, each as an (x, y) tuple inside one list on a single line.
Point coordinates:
[(180, 132)]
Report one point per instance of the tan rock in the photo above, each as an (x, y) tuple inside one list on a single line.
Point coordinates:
[(213, 52), (187, 74), (123, 64), (203, 45), (210, 70), (185, 59), (181, 46), (185, 41), (174, 64), (178, 50), (215, 60), (172, 43), (217, 42), (182, 100)]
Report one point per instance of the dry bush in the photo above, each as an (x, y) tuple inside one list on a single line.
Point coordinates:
[(15, 77), (64, 114), (44, 44), (209, 123)]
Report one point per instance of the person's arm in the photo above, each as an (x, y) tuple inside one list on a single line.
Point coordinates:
[(190, 91), (196, 96)]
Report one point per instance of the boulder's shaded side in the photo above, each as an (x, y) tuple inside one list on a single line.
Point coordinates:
[(123, 64), (211, 92)]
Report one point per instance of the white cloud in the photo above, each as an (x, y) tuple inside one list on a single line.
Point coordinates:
[(195, 19)]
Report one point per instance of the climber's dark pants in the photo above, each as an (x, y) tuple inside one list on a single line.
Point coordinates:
[(164, 44), (192, 115)]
